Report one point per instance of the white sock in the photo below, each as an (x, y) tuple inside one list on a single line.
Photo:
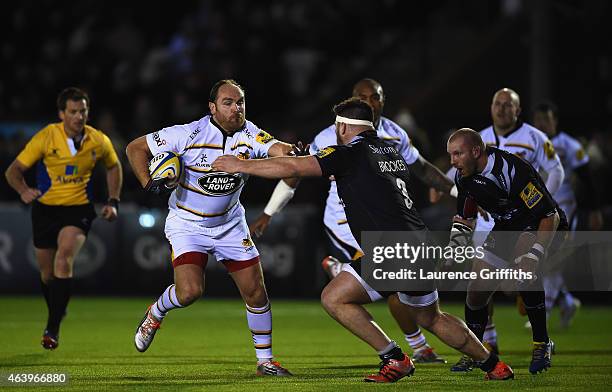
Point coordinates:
[(416, 340), (568, 298), (553, 282), (166, 302), (260, 324), (490, 334)]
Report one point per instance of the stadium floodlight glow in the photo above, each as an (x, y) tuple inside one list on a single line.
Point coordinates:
[(146, 220)]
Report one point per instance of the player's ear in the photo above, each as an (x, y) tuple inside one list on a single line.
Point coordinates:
[(212, 107), (61, 114), (476, 152)]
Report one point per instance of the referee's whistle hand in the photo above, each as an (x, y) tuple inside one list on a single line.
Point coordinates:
[(29, 195), (227, 163)]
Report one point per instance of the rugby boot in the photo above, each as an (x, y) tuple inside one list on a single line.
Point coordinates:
[(541, 356), (146, 331), (49, 340), (501, 371), (272, 368), (427, 355), (392, 370), (465, 364), (332, 266)]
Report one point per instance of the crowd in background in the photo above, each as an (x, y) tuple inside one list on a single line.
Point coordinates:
[(145, 70)]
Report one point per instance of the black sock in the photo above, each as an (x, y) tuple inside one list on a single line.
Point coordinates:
[(394, 353), (489, 364), (59, 290), (476, 320), (45, 289), (536, 311)]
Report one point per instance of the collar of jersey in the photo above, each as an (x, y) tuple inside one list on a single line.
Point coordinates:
[(519, 124)]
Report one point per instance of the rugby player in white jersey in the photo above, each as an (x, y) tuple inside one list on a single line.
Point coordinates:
[(510, 134), (343, 247), (575, 163), (207, 219)]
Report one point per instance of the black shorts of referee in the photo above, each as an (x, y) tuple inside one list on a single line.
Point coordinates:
[(47, 221)]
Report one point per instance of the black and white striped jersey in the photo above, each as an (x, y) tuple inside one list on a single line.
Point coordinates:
[(510, 190)]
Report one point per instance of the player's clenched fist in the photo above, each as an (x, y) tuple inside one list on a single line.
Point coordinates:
[(227, 163)]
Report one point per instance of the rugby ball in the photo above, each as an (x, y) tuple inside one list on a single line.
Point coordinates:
[(165, 165)]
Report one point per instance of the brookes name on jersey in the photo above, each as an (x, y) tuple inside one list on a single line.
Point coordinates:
[(220, 183)]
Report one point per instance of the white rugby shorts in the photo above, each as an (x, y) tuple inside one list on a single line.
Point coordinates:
[(229, 241)]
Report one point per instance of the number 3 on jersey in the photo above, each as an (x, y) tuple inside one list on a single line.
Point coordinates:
[(402, 186)]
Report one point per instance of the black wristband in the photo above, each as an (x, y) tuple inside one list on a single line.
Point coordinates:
[(113, 203)]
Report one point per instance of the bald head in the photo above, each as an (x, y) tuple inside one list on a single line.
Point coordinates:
[(511, 93), (465, 149), (370, 91), (505, 110), (468, 136)]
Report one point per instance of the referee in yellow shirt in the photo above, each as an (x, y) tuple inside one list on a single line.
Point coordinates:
[(62, 211)]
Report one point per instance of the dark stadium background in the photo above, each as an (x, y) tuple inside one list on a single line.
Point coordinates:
[(147, 65)]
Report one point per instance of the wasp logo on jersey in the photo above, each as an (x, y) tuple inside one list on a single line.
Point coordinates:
[(248, 244), (263, 137), (244, 154), (549, 149), (325, 152), (531, 195), (220, 183)]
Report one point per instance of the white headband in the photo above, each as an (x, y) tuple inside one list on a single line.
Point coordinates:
[(353, 121)]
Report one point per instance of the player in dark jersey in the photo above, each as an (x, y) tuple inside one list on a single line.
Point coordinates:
[(372, 180), (526, 220)]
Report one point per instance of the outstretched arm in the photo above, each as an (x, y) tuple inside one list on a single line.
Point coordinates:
[(431, 175), (280, 167)]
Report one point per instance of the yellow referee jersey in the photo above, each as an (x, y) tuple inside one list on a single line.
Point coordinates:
[(63, 172)]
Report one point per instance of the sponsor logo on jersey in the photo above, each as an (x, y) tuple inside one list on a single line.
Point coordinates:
[(580, 154), (69, 180), (158, 140), (325, 152), (219, 183), (71, 170), (531, 195), (202, 161), (263, 137), (549, 149), (383, 150), (194, 134)]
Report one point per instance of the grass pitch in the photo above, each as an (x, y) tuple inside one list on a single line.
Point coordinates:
[(208, 347)]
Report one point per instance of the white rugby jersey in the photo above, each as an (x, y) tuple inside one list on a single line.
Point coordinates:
[(572, 156), (205, 195), (334, 216), (527, 142)]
